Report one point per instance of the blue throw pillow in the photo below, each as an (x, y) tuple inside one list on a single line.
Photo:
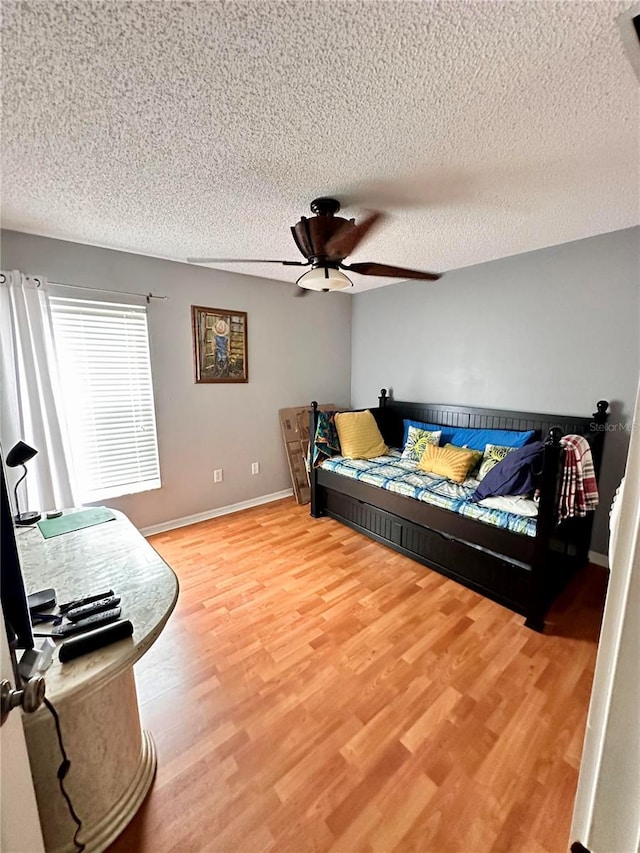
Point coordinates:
[(474, 439), (514, 475), (477, 439)]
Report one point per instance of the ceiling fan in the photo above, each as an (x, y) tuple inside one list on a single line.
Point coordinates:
[(325, 240)]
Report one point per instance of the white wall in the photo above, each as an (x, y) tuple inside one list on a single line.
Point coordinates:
[(299, 350), (547, 331)]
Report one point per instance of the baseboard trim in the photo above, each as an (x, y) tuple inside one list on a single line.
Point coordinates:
[(215, 513), (599, 559)]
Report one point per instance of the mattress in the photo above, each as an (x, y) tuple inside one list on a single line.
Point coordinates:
[(403, 477)]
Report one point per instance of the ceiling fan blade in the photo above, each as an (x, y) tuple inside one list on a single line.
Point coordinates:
[(349, 236), (247, 261), (302, 291), (390, 272)]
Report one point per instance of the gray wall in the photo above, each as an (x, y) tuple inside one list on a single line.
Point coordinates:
[(202, 427), (552, 331), (548, 331)]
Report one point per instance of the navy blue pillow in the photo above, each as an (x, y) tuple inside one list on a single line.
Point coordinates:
[(514, 475)]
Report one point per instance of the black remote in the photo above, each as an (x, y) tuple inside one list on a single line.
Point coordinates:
[(95, 640), (85, 610), (41, 600), (87, 624), (69, 605)]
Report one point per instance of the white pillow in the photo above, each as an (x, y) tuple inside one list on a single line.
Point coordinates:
[(516, 504)]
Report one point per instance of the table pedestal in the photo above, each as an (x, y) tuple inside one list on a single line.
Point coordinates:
[(113, 763)]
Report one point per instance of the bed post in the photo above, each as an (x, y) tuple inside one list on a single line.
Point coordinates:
[(316, 512), (550, 481), (598, 426), (383, 399), (584, 526)]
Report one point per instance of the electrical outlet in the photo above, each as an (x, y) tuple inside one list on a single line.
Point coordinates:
[(255, 467), (217, 475)]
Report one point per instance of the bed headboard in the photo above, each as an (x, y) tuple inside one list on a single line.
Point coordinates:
[(392, 412)]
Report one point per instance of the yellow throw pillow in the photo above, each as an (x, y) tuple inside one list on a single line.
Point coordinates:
[(359, 435), (477, 458), (450, 462)]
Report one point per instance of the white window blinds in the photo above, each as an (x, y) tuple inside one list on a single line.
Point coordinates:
[(105, 371)]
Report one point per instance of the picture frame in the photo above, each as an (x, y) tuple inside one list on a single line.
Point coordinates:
[(219, 345)]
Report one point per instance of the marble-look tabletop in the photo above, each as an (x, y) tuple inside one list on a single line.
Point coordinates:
[(113, 555)]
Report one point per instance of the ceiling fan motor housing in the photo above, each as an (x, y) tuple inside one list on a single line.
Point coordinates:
[(311, 235)]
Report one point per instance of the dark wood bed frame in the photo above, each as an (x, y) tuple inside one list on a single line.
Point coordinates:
[(523, 573)]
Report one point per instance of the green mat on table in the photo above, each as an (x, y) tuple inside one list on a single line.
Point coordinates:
[(71, 521)]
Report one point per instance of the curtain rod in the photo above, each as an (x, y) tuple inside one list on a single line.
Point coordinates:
[(147, 296)]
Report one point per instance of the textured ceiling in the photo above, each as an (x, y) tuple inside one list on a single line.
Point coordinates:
[(178, 129)]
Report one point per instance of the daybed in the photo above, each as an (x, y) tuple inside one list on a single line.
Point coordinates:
[(522, 572)]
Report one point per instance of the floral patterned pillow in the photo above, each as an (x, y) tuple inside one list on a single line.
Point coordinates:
[(493, 453), (417, 440)]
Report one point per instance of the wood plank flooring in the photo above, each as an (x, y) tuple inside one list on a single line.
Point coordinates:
[(315, 691)]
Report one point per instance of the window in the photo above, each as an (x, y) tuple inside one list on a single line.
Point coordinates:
[(105, 373)]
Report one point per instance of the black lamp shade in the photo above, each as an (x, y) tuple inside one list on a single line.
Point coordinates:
[(19, 454)]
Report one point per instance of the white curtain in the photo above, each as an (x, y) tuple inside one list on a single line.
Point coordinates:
[(29, 392)]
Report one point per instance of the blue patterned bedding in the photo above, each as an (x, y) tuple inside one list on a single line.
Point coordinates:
[(403, 477)]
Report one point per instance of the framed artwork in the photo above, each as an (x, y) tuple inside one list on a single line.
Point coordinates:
[(219, 344)]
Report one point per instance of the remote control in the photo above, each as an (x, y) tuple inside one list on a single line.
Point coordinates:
[(95, 640), (69, 605), (41, 600), (93, 607), (95, 621)]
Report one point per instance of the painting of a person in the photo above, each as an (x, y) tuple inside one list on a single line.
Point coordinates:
[(221, 329)]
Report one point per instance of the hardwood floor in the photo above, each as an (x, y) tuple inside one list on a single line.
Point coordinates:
[(315, 691)]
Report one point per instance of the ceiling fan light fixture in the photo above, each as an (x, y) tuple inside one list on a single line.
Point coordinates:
[(324, 278)]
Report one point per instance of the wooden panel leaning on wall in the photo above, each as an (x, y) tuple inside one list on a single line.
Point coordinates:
[(294, 423)]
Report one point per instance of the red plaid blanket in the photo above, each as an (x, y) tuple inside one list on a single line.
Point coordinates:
[(579, 492)]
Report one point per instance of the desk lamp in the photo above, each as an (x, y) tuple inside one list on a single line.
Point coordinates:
[(18, 455)]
